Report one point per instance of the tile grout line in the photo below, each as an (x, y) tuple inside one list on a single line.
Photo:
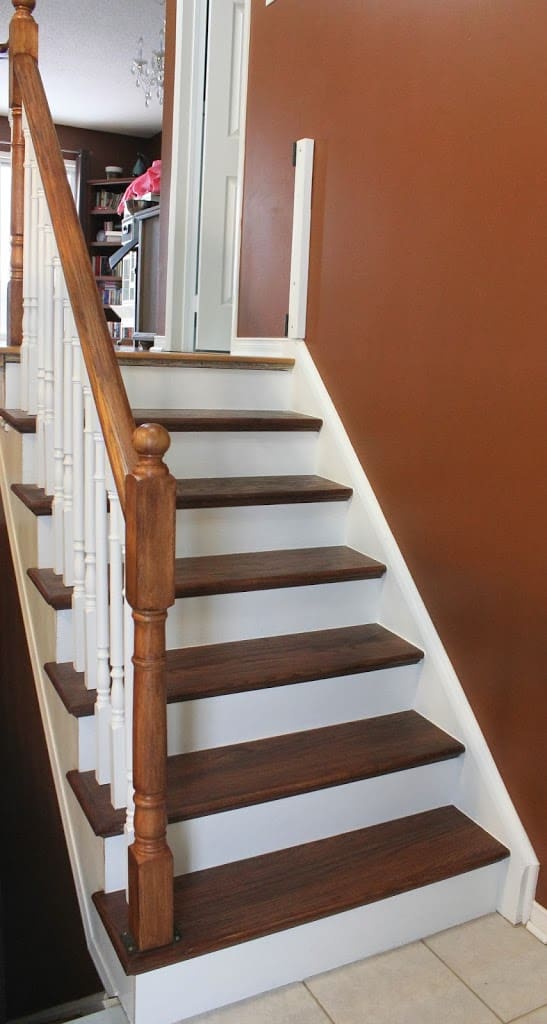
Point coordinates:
[(463, 981), (316, 1001), (515, 1020)]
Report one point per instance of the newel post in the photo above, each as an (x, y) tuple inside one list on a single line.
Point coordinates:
[(150, 589), (23, 38)]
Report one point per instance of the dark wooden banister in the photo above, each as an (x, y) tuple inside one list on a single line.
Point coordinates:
[(144, 484)]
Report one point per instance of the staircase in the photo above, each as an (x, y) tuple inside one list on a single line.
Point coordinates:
[(317, 814)]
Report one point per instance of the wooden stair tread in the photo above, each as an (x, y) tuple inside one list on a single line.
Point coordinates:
[(229, 574), (242, 665), (216, 669), (269, 570), (35, 498), (227, 419), (233, 903), (229, 492), (52, 588), (23, 422), (70, 685), (210, 781), (212, 360)]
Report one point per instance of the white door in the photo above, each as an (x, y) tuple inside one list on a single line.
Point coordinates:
[(219, 184)]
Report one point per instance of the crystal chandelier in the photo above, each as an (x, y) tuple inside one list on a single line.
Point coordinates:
[(149, 73)]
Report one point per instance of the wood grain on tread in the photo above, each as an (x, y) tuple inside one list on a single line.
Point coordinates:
[(227, 419), (209, 781), (35, 498), (70, 685), (242, 665), (236, 902), (52, 588), (220, 669), (230, 492), (220, 779), (269, 570), (23, 422)]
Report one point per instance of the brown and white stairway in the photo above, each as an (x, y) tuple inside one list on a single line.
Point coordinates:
[(310, 802)]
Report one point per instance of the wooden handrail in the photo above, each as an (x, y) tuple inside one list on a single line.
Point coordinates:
[(104, 374), (146, 490)]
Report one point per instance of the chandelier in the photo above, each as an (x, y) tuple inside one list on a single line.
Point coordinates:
[(149, 73)]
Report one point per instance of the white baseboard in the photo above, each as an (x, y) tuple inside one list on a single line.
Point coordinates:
[(537, 923)]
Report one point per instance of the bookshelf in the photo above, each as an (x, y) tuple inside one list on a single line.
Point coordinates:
[(103, 236)]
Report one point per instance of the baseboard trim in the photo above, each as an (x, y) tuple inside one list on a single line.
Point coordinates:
[(537, 923)]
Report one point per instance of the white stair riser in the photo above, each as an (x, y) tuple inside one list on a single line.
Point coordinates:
[(46, 554), (220, 531), (242, 453), (278, 824), (12, 378), (28, 469), (204, 983), (241, 717), (161, 387), (223, 617)]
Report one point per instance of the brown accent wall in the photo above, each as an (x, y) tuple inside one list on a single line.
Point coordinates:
[(428, 307), (41, 933)]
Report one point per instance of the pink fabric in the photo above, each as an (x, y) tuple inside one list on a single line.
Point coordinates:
[(150, 181)]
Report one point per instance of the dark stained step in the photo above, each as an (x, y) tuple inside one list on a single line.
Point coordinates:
[(209, 781), (217, 669), (229, 492), (23, 422), (236, 902), (35, 498), (177, 420), (52, 588), (269, 570), (70, 685), (230, 574), (239, 666)]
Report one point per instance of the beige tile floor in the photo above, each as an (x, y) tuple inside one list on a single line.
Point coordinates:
[(478, 973)]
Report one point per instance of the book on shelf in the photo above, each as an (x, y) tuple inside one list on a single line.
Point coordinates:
[(111, 294), (107, 200), (101, 267)]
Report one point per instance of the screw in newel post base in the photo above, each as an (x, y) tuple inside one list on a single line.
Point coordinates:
[(150, 589)]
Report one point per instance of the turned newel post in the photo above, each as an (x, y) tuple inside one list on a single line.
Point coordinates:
[(150, 589), (23, 38)]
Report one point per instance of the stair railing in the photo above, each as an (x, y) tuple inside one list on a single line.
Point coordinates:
[(100, 470)]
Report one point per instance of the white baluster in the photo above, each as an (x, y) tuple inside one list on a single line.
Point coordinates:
[(30, 398), (78, 530), (68, 556), (118, 790), (27, 170), (129, 646), (102, 704), (41, 325), (49, 288), (89, 533), (58, 422)]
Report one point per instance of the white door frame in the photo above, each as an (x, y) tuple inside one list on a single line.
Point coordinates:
[(183, 243)]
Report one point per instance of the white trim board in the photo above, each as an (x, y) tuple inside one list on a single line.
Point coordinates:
[(537, 923)]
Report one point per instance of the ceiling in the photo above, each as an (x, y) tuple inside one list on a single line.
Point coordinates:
[(85, 54)]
